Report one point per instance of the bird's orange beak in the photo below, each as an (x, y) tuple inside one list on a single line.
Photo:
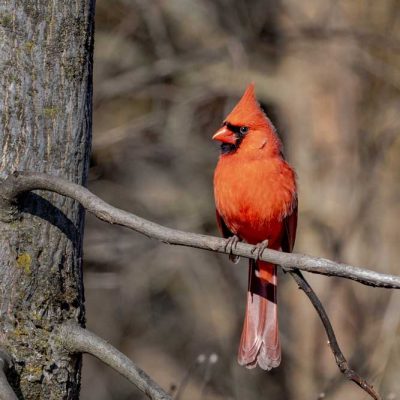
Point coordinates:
[(224, 135)]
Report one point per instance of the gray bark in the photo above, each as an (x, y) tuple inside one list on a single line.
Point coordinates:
[(45, 125)]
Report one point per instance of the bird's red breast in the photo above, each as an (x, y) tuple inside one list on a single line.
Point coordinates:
[(253, 194)]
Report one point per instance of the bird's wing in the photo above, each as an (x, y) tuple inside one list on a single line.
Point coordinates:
[(290, 226), (226, 233)]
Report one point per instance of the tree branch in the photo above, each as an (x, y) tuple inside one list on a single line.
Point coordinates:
[(77, 339), (74, 339), (6, 392), (339, 357), (19, 183)]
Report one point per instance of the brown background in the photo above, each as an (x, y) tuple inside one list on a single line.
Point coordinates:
[(166, 73)]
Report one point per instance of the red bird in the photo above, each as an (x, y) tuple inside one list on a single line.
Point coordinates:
[(256, 201)]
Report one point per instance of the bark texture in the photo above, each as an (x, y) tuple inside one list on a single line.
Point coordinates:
[(46, 51)]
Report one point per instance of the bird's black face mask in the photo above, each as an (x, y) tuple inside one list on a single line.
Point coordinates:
[(239, 132)]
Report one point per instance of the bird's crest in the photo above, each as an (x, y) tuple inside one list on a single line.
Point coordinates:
[(248, 111)]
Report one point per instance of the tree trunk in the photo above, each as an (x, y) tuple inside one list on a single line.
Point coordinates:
[(46, 51)]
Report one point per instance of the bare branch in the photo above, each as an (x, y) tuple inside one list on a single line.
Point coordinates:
[(74, 339), (77, 339), (18, 183), (6, 392), (339, 357)]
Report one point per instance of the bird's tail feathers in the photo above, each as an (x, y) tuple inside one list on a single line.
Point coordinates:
[(259, 343)]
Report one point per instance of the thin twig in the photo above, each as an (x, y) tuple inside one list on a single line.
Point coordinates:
[(6, 392), (201, 359), (75, 339), (339, 357), (19, 183)]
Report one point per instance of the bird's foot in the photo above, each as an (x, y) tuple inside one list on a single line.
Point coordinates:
[(231, 244), (259, 248)]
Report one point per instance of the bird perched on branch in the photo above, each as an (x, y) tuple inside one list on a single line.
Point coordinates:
[(256, 201)]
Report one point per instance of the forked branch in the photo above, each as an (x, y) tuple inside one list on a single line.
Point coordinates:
[(76, 339)]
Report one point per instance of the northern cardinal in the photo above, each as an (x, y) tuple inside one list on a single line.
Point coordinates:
[(256, 201)]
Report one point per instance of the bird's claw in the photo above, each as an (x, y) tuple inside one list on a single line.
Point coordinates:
[(230, 245), (259, 248)]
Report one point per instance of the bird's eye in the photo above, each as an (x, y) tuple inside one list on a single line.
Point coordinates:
[(244, 130)]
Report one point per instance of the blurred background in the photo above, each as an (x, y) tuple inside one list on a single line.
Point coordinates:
[(166, 73)]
